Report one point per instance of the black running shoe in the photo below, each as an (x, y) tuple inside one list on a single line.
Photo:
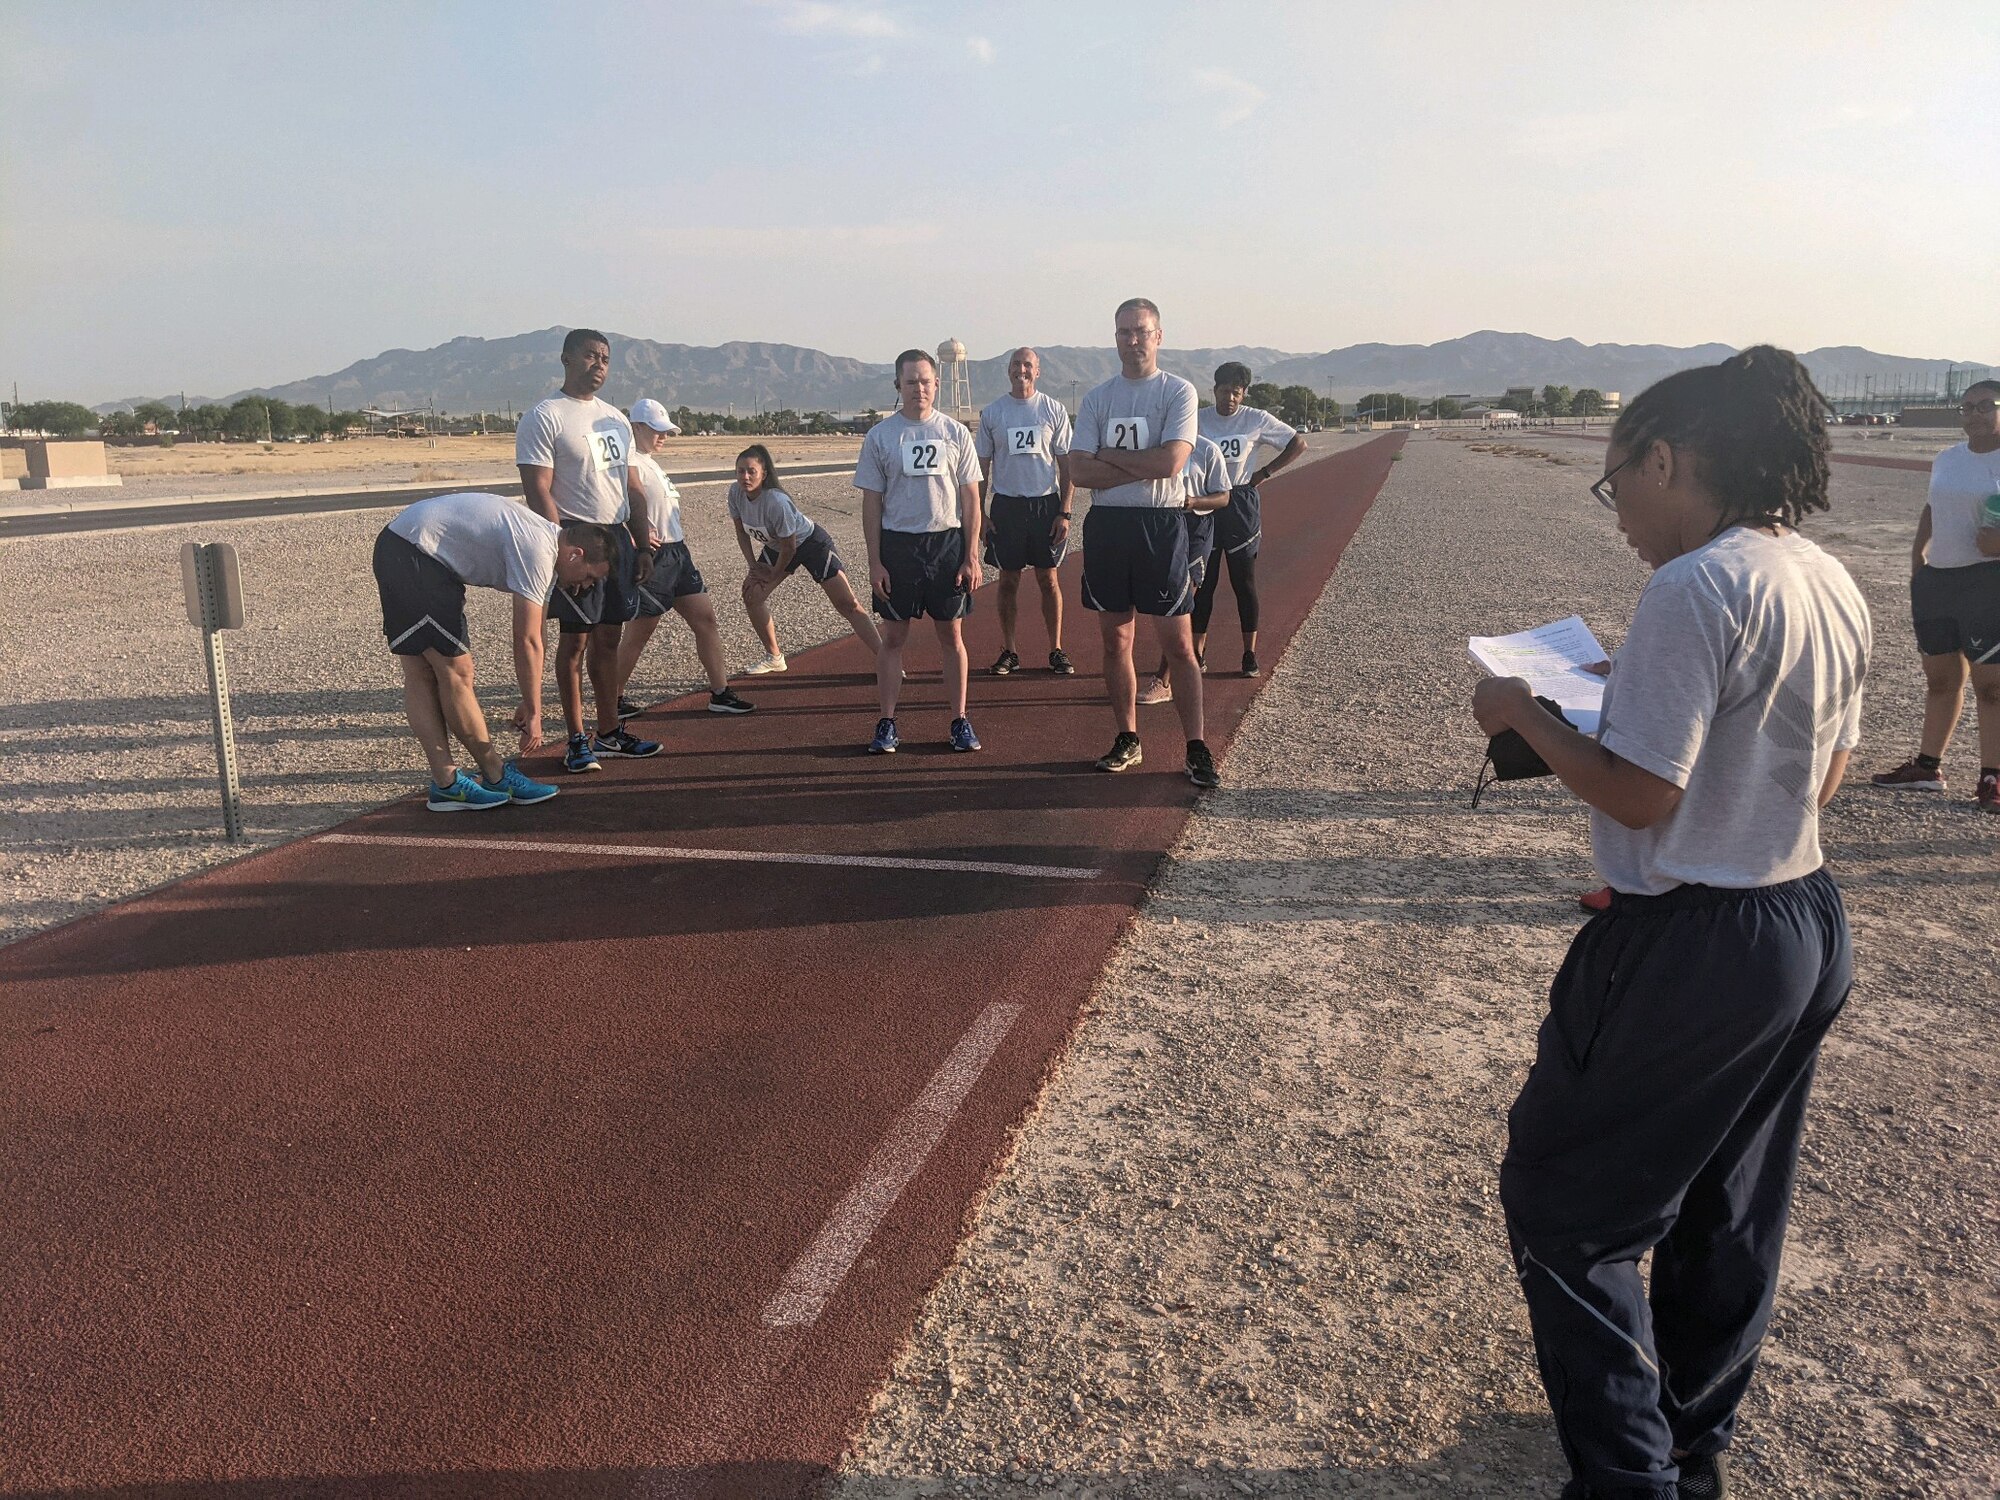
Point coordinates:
[(1250, 667), (1201, 765), (1123, 755), (1060, 664), (627, 709), (726, 702), (1008, 664), (1705, 1478)]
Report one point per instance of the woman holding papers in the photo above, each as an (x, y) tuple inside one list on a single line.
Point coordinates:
[(1664, 1108)]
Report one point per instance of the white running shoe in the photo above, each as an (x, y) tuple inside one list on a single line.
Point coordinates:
[(768, 664)]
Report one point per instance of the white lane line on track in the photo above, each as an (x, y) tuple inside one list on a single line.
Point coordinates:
[(816, 1275), (737, 856)]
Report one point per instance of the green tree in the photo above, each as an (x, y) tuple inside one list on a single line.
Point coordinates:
[(246, 419), (1264, 396), (1445, 409), (1297, 405), (1390, 406), (63, 419), (1588, 402), (1555, 400), (158, 413), (307, 420), (340, 421), (118, 424)]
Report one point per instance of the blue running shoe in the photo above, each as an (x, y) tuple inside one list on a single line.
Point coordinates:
[(623, 742), (518, 787), (578, 756), (465, 795), (885, 740), (962, 737)]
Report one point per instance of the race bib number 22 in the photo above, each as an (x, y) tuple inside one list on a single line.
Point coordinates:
[(923, 458), (1127, 434)]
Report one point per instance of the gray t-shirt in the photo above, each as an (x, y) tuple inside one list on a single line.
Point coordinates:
[(1024, 439), (769, 518), (917, 468), (1961, 483), (1239, 433), (587, 444), (663, 501), (1740, 677), (1136, 415), (489, 541), (1206, 473)]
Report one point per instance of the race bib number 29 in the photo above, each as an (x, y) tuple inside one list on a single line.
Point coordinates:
[(1126, 433), (607, 449), (923, 458), (1232, 447)]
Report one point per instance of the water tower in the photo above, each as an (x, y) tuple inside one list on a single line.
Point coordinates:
[(954, 381)]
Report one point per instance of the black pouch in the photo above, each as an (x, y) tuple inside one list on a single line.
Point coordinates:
[(1511, 758)]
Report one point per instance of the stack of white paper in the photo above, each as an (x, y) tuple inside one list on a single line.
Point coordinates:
[(1552, 658)]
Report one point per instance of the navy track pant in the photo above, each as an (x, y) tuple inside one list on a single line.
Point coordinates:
[(1663, 1113)]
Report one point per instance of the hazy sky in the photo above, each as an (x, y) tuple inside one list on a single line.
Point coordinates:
[(214, 195)]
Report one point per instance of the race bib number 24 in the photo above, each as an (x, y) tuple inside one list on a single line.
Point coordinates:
[(1024, 440), (923, 458), (1126, 433)]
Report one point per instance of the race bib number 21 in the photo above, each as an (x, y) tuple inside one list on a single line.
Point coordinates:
[(1126, 433)]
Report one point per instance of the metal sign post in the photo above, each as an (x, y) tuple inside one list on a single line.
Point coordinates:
[(213, 586)]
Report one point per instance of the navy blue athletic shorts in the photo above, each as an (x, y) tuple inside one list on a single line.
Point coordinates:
[(814, 553), (923, 575), (1958, 610), (1239, 525), (611, 601), (1201, 542), (1136, 557), (423, 601), (1017, 533), (674, 576)]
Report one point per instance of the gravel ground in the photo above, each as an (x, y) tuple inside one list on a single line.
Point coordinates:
[(1250, 1242), (104, 722)]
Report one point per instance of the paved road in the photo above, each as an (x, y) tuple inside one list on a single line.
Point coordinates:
[(601, 1148), (101, 517)]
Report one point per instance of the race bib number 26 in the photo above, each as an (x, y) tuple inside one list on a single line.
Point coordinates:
[(1126, 433), (607, 449), (923, 458)]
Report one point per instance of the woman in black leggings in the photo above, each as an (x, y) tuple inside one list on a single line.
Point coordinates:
[(1237, 430)]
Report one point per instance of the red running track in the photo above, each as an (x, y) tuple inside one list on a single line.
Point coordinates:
[(433, 1169)]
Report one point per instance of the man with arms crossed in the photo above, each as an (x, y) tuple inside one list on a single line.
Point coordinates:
[(1023, 448), (1237, 429), (424, 559), (573, 451), (919, 483), (1134, 434), (675, 582)]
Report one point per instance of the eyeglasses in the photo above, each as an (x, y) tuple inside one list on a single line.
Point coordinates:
[(1602, 489), (1972, 407)]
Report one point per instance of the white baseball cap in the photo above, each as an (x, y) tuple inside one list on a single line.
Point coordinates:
[(653, 415)]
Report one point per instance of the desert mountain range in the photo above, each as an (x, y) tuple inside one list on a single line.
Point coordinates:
[(474, 374)]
